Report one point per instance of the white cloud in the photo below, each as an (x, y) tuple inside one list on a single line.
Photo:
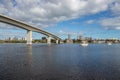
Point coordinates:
[(44, 13), (65, 32), (118, 28), (89, 21), (72, 33), (115, 8), (111, 23), (114, 21)]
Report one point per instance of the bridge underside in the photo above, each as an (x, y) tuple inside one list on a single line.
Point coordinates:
[(29, 38), (29, 29)]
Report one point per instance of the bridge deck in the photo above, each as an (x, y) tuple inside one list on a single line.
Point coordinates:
[(25, 26)]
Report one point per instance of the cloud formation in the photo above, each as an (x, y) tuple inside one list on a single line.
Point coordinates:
[(111, 23), (90, 21), (71, 33), (114, 21), (46, 13)]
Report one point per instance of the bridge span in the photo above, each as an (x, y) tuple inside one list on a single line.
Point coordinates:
[(29, 29)]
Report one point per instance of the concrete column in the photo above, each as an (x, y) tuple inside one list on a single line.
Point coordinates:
[(49, 40), (57, 41), (29, 37)]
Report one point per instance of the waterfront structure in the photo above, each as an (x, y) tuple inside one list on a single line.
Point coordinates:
[(10, 38), (23, 38), (79, 37), (84, 43), (69, 37), (69, 40), (29, 29)]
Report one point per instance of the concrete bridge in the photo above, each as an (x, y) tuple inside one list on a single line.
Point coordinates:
[(29, 29)]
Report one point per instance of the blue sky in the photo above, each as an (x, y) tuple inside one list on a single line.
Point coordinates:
[(89, 18)]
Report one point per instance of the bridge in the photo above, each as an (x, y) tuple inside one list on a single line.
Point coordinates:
[(29, 29)]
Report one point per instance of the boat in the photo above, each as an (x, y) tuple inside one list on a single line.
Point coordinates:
[(109, 43), (84, 43)]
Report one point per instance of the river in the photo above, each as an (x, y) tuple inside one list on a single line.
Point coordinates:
[(59, 62)]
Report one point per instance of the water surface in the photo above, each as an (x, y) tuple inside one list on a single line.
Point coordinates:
[(59, 62)]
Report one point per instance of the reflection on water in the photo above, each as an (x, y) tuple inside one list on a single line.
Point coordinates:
[(29, 55), (29, 62), (59, 62)]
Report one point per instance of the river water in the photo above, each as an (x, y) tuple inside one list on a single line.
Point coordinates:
[(59, 62)]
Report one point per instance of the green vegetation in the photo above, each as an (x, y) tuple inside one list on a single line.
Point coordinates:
[(1, 41), (77, 41), (14, 41), (24, 41)]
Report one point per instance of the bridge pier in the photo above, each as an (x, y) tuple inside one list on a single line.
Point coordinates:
[(49, 40), (57, 41), (29, 37)]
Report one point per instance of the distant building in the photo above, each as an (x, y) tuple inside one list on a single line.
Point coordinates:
[(88, 38), (69, 36), (79, 37), (10, 38), (69, 40), (44, 39), (15, 38), (23, 38)]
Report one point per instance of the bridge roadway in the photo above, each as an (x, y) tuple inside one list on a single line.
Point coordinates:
[(29, 29)]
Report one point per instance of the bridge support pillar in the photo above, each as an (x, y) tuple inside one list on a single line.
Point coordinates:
[(29, 37), (60, 42), (49, 40), (57, 41)]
